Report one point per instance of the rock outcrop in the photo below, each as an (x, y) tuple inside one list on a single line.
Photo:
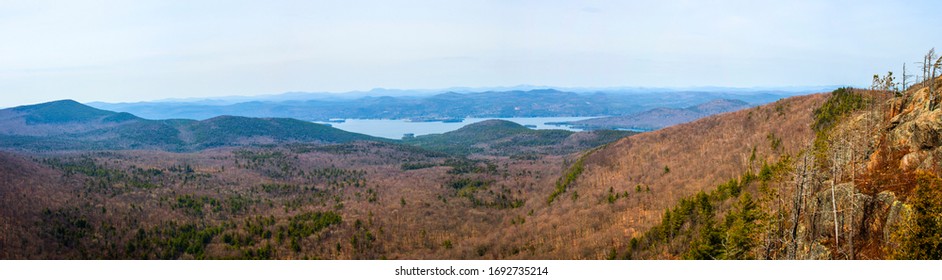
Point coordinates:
[(916, 128), (859, 216)]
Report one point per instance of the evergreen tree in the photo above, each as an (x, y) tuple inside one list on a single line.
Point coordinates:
[(922, 239), (741, 229)]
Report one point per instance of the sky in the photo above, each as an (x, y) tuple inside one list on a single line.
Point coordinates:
[(120, 51)]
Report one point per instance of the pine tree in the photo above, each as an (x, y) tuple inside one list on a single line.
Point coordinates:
[(741, 229), (708, 245)]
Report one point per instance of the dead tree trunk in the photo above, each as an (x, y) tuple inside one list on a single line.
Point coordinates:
[(798, 205), (928, 70), (835, 163), (834, 210), (932, 95)]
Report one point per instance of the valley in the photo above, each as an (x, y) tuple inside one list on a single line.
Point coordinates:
[(344, 201)]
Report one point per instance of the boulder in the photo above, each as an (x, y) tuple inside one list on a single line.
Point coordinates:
[(925, 131)]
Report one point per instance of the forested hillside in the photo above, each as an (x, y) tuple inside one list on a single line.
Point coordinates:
[(615, 193), (498, 137), (850, 175)]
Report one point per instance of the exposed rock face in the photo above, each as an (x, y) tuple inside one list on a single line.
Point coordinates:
[(881, 208), (916, 129), (925, 131), (900, 141), (857, 215), (851, 207)]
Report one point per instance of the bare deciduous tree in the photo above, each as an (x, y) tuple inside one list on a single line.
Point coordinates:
[(927, 64), (932, 95), (928, 74), (905, 77), (802, 173)]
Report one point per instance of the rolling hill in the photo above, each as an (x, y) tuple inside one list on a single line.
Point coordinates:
[(58, 117), (69, 125), (499, 137)]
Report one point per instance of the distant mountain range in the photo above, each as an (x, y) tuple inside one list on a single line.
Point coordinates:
[(399, 104), (379, 92), (661, 117)]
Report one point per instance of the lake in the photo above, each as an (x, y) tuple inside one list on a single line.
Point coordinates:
[(394, 129)]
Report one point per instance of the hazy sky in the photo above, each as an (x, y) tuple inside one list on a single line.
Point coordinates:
[(146, 50)]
